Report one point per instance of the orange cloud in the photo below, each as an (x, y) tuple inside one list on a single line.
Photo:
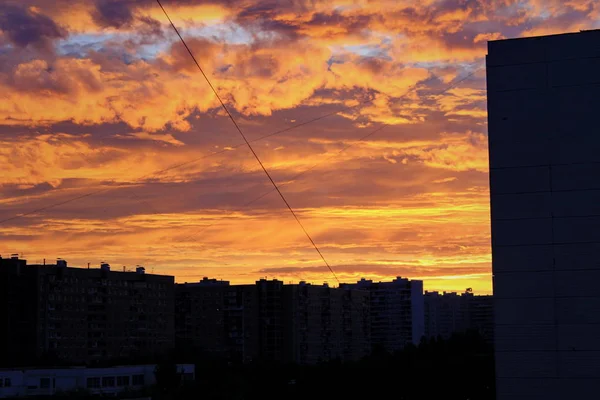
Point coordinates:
[(484, 37), (98, 99)]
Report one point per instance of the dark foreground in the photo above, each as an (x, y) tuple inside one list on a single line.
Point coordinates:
[(461, 368)]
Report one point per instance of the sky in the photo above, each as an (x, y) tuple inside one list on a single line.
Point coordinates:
[(110, 132)]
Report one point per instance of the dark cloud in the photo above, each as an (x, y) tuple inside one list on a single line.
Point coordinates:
[(284, 29), (354, 23), (25, 27), (39, 75), (261, 9), (113, 13), (151, 29), (10, 190)]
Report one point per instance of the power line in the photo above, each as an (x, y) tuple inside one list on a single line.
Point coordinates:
[(60, 203), (291, 180), (178, 165), (246, 141), (450, 87)]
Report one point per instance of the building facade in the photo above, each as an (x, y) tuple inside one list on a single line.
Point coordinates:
[(396, 312), (481, 316), (324, 324), (83, 316), (444, 314), (219, 319), (273, 322), (449, 313), (543, 96), (356, 324), (99, 381), (200, 316), (18, 312)]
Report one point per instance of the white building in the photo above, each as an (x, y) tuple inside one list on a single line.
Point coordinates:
[(108, 381), (544, 140)]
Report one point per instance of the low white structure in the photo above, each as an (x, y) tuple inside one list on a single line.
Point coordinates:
[(38, 381)]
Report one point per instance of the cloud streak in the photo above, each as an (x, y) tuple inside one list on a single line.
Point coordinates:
[(99, 96)]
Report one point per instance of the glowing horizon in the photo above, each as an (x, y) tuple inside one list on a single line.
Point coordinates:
[(100, 96)]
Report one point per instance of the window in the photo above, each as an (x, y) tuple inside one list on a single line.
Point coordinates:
[(93, 383), (1, 382), (122, 381), (108, 381), (44, 383), (138, 380)]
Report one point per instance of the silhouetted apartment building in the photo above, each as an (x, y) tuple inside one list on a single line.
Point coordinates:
[(200, 316), (214, 317), (18, 312), (221, 319), (356, 323), (396, 311), (271, 319), (448, 313), (242, 323), (306, 324), (273, 322), (324, 323), (444, 314), (84, 316), (544, 142), (481, 315)]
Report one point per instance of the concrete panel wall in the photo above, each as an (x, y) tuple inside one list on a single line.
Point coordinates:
[(544, 138)]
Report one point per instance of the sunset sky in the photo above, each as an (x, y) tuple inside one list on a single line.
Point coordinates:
[(99, 98)]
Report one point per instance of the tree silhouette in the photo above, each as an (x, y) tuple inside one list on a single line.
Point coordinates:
[(168, 379)]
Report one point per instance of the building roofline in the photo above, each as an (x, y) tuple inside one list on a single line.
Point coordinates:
[(545, 36)]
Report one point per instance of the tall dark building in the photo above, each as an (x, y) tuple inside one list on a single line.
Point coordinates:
[(543, 103), (200, 316), (481, 315), (449, 313), (270, 319), (324, 323), (18, 312), (83, 316), (396, 312), (89, 315), (273, 322), (356, 324), (444, 314)]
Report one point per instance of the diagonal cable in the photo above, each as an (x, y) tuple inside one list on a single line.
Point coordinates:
[(192, 161), (294, 178), (247, 142), (290, 181)]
